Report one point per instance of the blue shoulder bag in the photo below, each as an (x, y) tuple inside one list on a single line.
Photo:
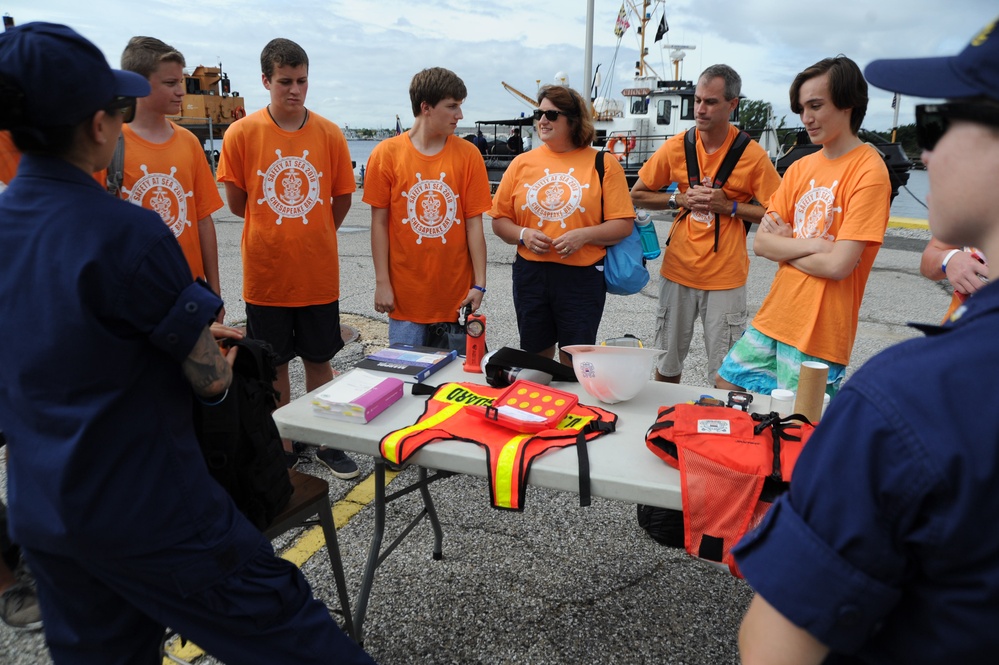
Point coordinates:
[(624, 267)]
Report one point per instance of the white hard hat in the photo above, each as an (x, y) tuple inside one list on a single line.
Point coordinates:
[(612, 373)]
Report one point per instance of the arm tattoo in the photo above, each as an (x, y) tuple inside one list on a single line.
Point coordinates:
[(205, 368)]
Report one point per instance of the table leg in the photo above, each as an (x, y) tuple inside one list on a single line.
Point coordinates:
[(333, 550), (376, 545), (428, 504)]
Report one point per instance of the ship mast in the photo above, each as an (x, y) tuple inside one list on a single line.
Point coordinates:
[(677, 51), (643, 17), (676, 57)]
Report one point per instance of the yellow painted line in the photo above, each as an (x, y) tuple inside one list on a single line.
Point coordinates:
[(308, 543), (188, 652), (908, 223), (312, 540)]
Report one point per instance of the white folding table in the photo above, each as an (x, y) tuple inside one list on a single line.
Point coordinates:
[(622, 468)]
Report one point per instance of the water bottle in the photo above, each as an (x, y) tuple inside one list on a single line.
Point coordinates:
[(647, 232)]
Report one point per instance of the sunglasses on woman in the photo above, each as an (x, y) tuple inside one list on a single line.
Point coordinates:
[(933, 120), (550, 114), (124, 106)]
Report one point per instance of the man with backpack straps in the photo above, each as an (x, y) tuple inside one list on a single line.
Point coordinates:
[(724, 180)]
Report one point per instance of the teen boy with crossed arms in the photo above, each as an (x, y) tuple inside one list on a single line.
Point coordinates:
[(824, 226)]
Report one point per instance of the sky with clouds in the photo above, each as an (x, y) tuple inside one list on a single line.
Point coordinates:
[(363, 53)]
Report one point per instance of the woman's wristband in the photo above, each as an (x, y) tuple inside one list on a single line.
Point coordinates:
[(950, 255), (735, 208), (479, 288), (521, 240)]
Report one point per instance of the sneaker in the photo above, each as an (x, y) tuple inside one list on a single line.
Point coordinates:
[(339, 464), (19, 607), (297, 455)]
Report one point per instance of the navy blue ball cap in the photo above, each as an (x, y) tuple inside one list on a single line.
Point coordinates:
[(974, 72), (64, 78)]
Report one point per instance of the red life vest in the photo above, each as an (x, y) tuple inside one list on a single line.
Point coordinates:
[(732, 466), (509, 453)]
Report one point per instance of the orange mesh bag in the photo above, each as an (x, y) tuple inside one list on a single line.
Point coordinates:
[(732, 466)]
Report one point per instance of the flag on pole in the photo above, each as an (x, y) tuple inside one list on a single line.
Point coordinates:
[(663, 28), (622, 22), (398, 126)]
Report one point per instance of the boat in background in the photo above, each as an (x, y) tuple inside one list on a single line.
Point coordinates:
[(655, 109), (497, 151), (209, 107)]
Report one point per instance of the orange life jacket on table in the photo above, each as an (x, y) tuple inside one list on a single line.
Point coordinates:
[(732, 466), (509, 453)]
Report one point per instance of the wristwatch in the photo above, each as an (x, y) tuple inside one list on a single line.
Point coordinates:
[(672, 205)]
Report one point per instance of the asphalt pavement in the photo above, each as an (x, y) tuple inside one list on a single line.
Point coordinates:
[(555, 584)]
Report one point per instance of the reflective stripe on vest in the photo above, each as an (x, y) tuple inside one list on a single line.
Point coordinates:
[(508, 453)]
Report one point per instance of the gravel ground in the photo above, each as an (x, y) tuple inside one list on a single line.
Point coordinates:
[(556, 583)]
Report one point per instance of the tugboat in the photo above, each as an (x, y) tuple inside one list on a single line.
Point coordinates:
[(209, 107)]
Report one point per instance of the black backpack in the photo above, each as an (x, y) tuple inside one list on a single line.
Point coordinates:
[(240, 441), (729, 161)]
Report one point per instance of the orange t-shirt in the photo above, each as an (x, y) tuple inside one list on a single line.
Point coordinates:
[(555, 192), (289, 237), (847, 198), (10, 157), (173, 179), (690, 258), (428, 199)]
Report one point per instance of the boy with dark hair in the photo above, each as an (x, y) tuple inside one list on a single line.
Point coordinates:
[(165, 169), (824, 226), (884, 549), (427, 190), (282, 52), (287, 172), (846, 85)]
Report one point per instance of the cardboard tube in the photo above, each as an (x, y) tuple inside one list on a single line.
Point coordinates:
[(811, 387)]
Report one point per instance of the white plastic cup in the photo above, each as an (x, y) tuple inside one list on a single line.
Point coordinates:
[(782, 401), (825, 404)]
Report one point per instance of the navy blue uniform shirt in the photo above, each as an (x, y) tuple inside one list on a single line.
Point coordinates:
[(886, 546), (98, 312)]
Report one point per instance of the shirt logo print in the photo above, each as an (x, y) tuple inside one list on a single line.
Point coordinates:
[(291, 187), (163, 194), (813, 213), (431, 208), (554, 197)]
